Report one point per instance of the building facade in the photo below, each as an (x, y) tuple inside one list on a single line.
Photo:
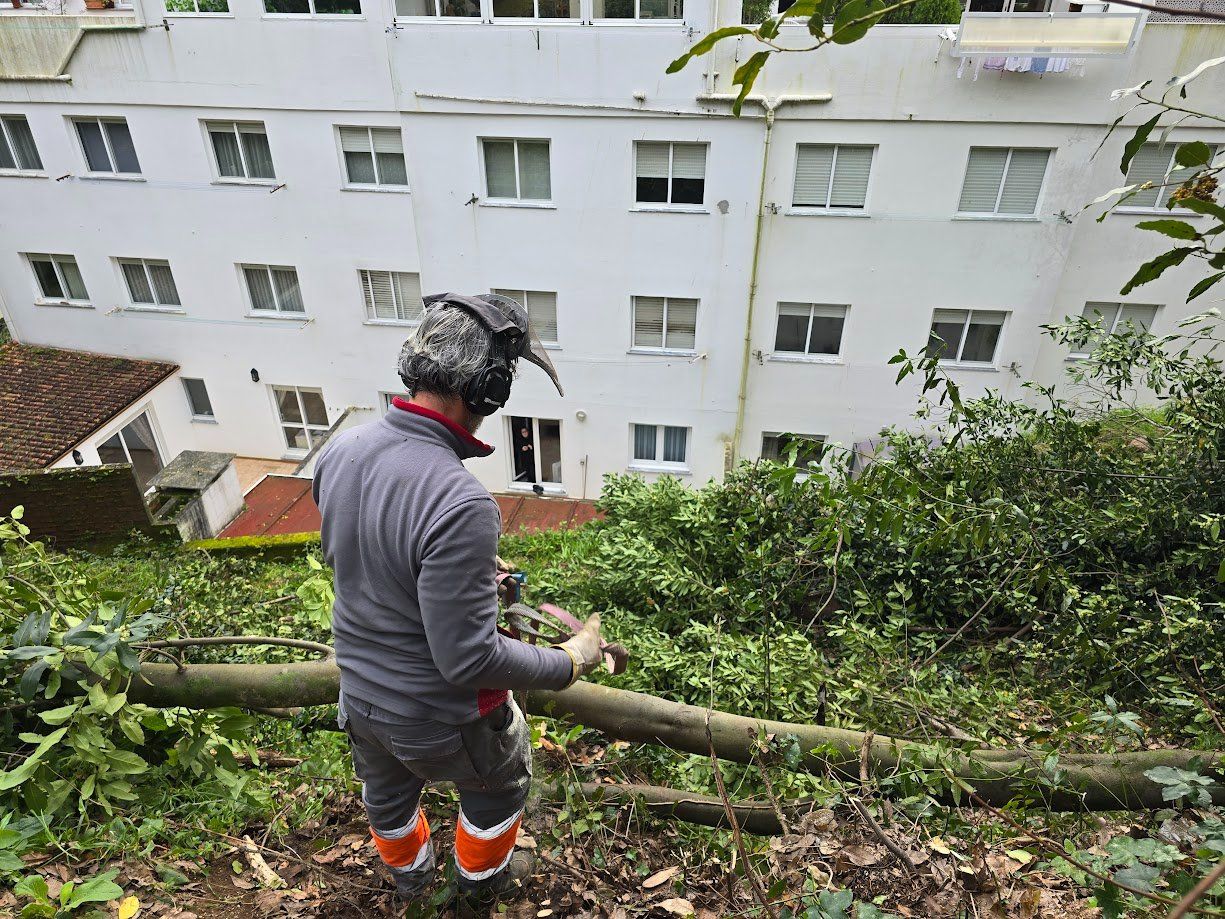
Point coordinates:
[(259, 190)]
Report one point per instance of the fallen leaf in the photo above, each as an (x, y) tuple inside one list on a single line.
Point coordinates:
[(661, 877), (128, 907), (1019, 855), (861, 856), (543, 913), (677, 906), (938, 844)]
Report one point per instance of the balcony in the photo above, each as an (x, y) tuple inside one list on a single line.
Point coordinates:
[(37, 42), (1053, 34)]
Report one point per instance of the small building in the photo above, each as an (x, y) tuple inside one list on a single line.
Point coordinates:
[(72, 408)]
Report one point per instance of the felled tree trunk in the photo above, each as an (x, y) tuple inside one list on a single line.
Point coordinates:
[(1095, 781)]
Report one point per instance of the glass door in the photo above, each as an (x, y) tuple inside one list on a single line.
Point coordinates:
[(535, 447), (134, 443)]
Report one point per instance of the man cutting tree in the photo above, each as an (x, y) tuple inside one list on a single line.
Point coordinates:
[(412, 537)]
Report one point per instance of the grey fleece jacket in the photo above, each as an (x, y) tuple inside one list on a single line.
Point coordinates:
[(412, 538)]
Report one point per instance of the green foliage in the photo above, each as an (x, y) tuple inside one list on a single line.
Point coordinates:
[(923, 12), (72, 897), (317, 594), (283, 543)]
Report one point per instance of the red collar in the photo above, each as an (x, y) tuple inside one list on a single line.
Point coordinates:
[(462, 433)]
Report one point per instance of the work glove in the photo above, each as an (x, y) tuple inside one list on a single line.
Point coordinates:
[(584, 649)]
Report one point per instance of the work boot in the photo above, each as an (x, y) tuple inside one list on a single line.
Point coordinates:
[(413, 886), (505, 885)]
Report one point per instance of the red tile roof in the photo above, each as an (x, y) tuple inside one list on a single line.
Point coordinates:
[(51, 399)]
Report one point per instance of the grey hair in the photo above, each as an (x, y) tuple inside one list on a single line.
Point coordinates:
[(447, 350)]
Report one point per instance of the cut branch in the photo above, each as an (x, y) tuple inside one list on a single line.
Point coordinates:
[(1093, 781)]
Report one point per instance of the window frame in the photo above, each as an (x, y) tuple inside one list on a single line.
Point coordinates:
[(668, 206), (555, 344), (1164, 191), (348, 184), (7, 138), (41, 299), (827, 209), (995, 214), (821, 440), (156, 305), (959, 361), (371, 319), (663, 348), (518, 201), (1081, 354), (549, 488), (117, 429), (228, 14), (809, 357), (245, 179), (637, 18), (114, 172), (210, 418), (659, 465), (349, 17), (586, 16), (308, 428), (254, 312)]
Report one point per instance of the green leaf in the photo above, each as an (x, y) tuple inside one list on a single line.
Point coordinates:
[(1196, 153), (1195, 292), (1177, 229), (1220, 572), (1132, 147), (60, 715), (32, 886), (1200, 206), (31, 678), (125, 762), (855, 19), (1139, 876), (1154, 269), (97, 890), (746, 76), (704, 46)]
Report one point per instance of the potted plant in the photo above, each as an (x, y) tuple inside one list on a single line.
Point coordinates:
[(99, 4)]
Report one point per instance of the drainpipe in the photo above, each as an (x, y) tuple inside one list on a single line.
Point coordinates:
[(769, 106)]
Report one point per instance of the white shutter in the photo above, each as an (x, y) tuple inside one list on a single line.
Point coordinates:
[(1140, 316), (500, 169), (163, 283), (542, 312), (984, 173), (355, 140), (380, 302), (681, 332), (850, 186), (648, 322), (688, 161), (386, 140), (408, 296), (259, 285), (534, 170), (644, 441), (1148, 165), (138, 282), (1023, 183), (814, 164), (652, 160)]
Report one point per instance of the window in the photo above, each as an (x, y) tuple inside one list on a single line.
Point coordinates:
[(17, 150), (149, 281), (517, 169), (808, 448), (273, 289), (463, 9), (197, 399), (313, 7), (373, 156), (669, 173), (969, 336), (304, 417), (1155, 163), (754, 12), (387, 398), (59, 278), (1003, 180), (536, 9), (1112, 319), (809, 328), (241, 149), (107, 144), (197, 6), (392, 296), (541, 306), (637, 9), (660, 445), (831, 176), (134, 443), (665, 323), (535, 446)]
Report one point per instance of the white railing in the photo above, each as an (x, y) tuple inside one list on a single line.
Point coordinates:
[(1075, 35)]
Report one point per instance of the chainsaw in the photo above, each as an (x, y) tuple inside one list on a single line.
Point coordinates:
[(550, 624)]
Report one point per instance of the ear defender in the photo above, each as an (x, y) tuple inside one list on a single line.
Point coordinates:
[(488, 391)]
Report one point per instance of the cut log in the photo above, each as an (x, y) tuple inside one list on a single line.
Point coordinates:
[(706, 810), (1093, 781)]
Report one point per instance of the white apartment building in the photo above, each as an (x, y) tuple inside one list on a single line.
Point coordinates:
[(259, 190)]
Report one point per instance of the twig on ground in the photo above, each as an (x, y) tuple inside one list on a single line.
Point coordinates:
[(325, 650), (778, 808), (265, 875)]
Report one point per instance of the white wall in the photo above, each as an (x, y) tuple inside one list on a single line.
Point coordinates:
[(447, 84)]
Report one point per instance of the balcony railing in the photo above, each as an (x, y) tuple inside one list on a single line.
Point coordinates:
[(1073, 35)]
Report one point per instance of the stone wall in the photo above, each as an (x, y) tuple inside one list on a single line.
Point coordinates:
[(87, 506)]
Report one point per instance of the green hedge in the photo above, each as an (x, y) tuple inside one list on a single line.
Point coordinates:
[(284, 544)]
